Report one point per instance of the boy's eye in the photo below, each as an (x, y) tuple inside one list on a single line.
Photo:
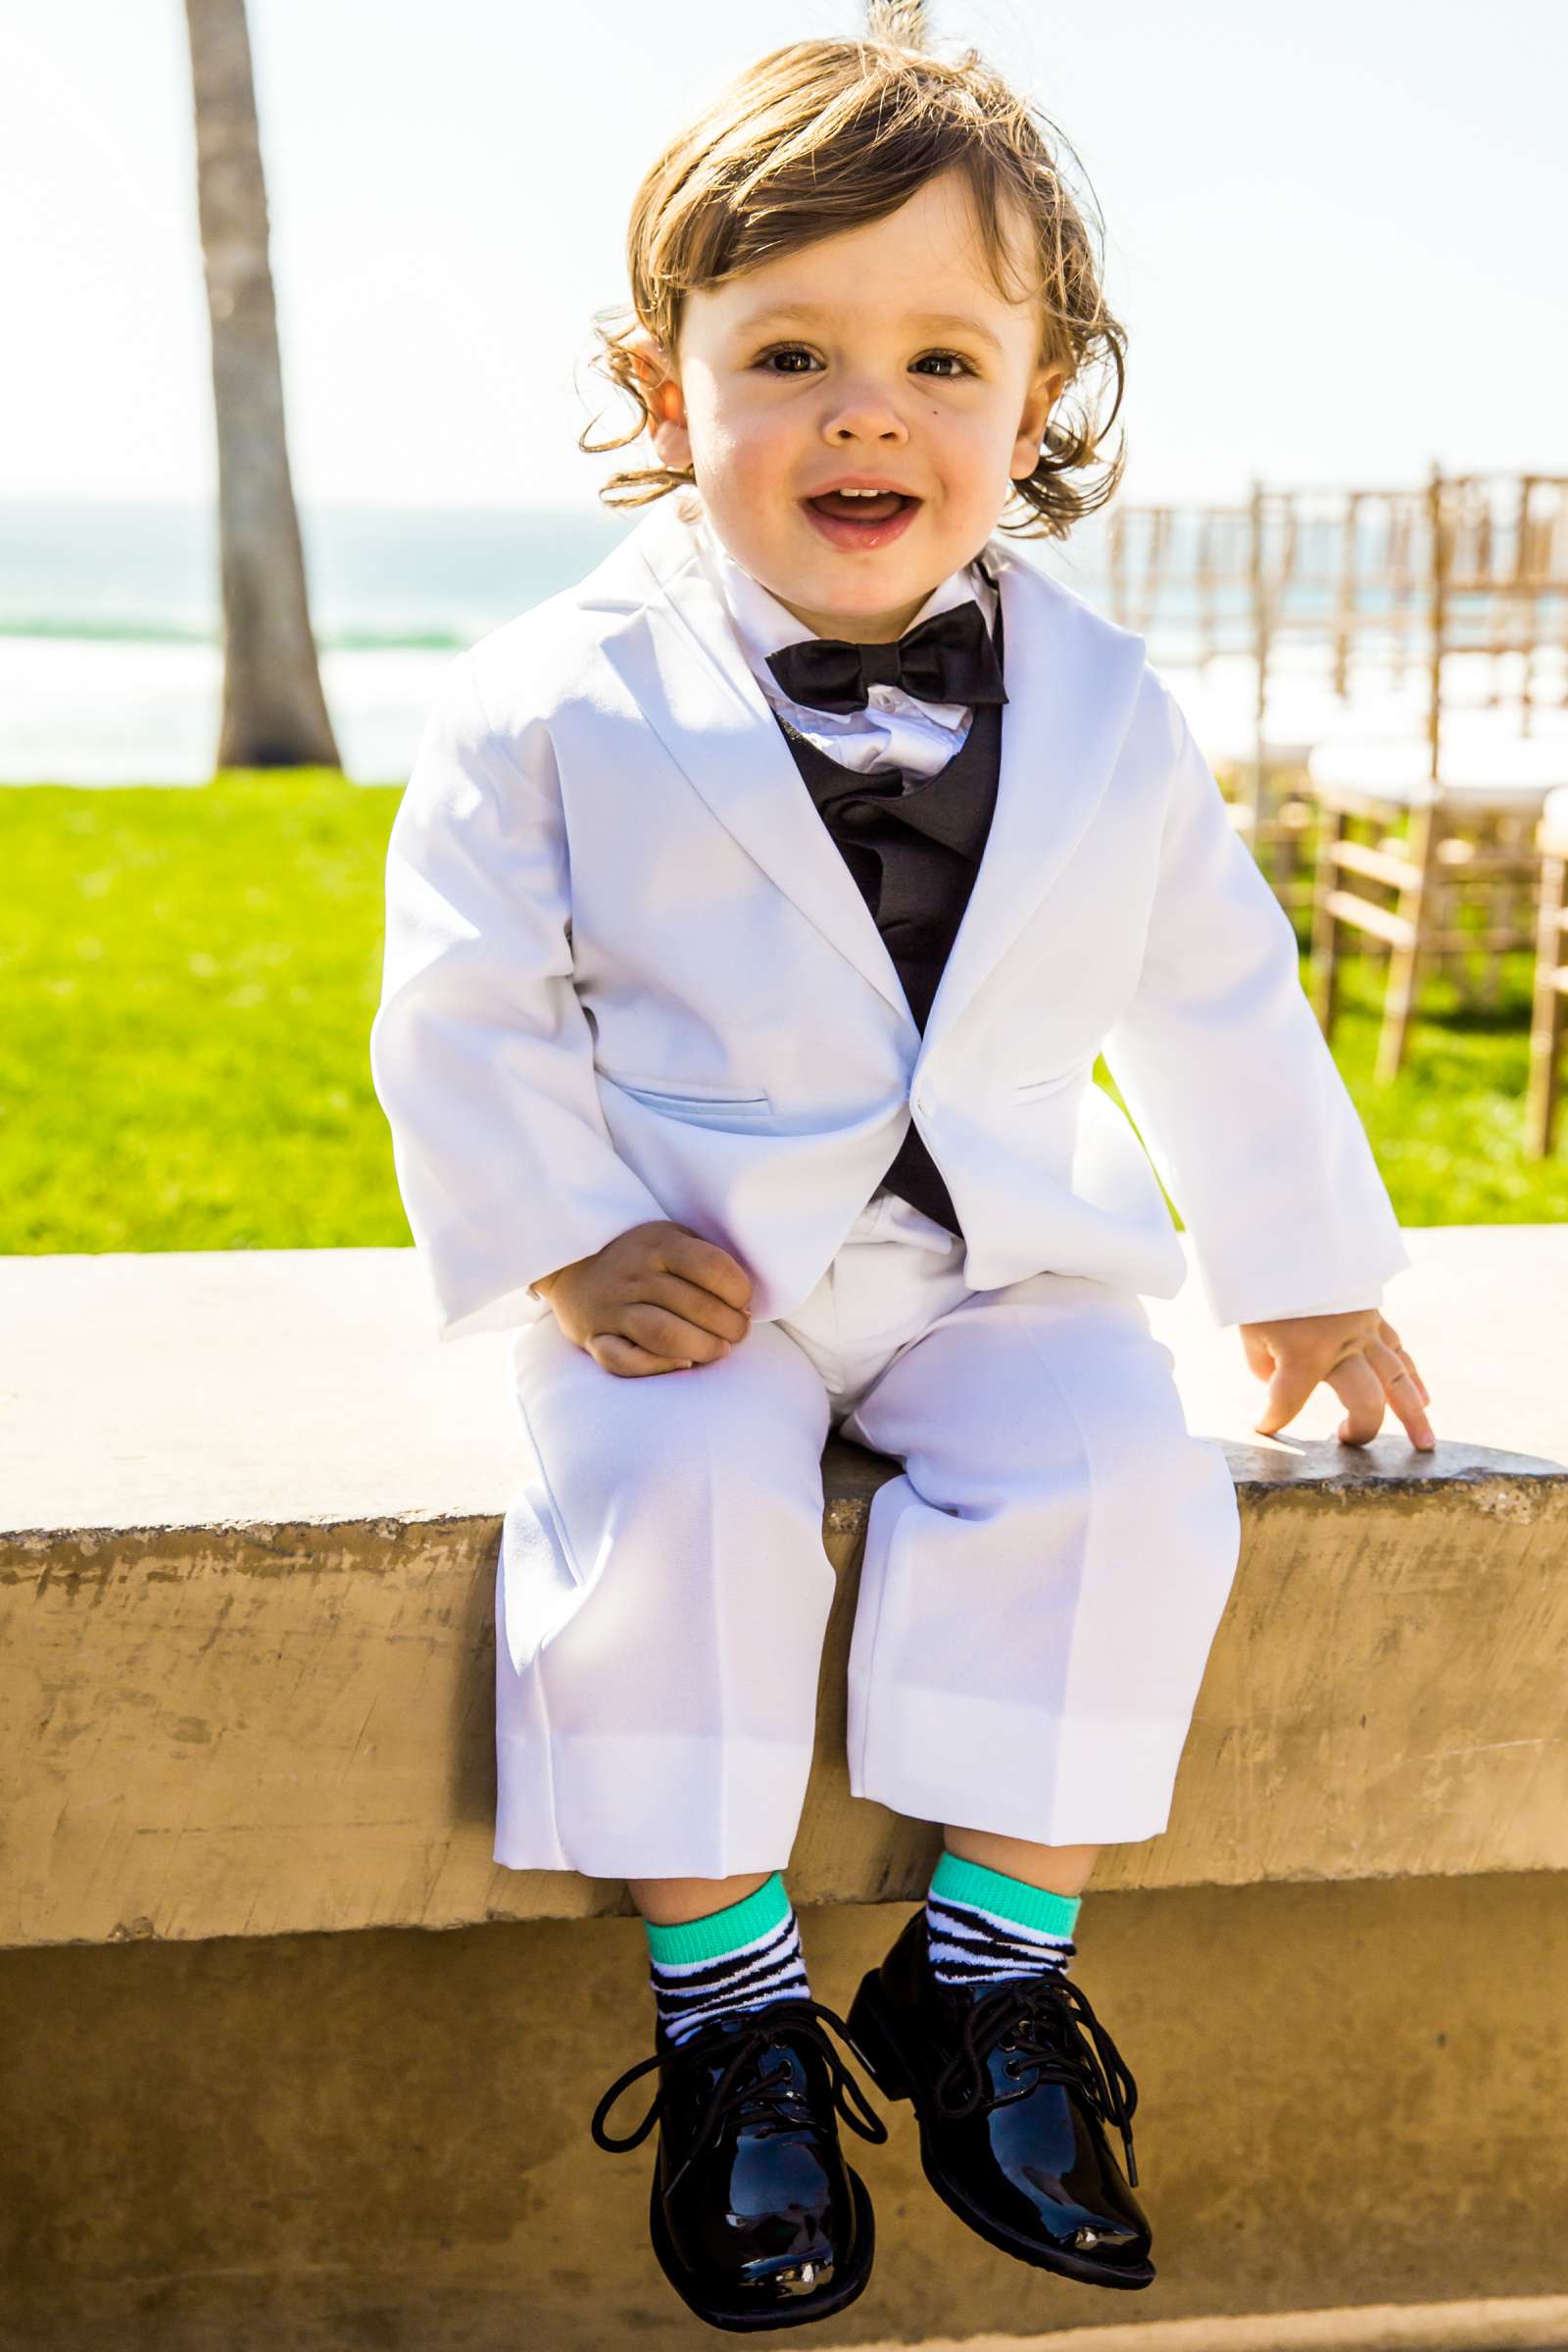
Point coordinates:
[(790, 351)]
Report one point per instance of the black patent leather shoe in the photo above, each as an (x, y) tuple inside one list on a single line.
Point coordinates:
[(755, 2216), (1012, 2084)]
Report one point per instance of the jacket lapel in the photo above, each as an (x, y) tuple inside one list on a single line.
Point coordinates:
[(1072, 679), (1072, 682), (679, 658)]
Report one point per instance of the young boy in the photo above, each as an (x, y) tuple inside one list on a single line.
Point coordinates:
[(757, 910)]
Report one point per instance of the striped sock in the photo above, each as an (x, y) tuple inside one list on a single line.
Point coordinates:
[(982, 1926), (739, 1958)]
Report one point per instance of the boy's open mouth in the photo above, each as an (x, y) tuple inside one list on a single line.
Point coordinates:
[(848, 520)]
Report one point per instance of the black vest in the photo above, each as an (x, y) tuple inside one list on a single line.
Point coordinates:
[(913, 845)]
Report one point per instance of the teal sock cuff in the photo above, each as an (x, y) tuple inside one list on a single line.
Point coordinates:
[(956, 1881), (721, 1932)]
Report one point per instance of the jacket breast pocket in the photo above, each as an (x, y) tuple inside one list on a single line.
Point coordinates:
[(699, 1101), (1030, 1090)]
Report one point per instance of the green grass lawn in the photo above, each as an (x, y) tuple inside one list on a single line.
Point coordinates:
[(186, 982), (187, 985)]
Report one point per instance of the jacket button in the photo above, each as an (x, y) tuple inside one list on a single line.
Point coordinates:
[(922, 1098)]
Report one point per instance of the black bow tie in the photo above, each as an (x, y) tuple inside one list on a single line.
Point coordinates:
[(948, 658)]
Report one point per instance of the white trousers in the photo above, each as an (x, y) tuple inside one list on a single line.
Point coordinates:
[(1039, 1590)]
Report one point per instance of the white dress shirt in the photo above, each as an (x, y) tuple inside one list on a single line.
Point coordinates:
[(894, 729)]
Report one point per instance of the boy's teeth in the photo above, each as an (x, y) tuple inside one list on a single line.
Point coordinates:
[(875, 505)]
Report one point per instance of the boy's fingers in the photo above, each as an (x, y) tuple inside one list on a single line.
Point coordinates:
[(670, 1337), (1288, 1391), (626, 1359), (708, 1266), (1391, 1339), (696, 1305), (1367, 1382), (1402, 1386), (1358, 1388)]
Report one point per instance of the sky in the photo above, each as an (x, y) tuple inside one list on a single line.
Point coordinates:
[(1335, 235)]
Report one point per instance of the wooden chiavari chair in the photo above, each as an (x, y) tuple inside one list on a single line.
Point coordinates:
[(1177, 574), (1328, 567), (1550, 1010), (1184, 577), (1455, 806)]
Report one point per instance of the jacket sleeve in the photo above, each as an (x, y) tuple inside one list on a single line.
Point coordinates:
[(481, 1052), (1220, 1060)]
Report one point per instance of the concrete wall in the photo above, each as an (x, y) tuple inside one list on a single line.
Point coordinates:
[(249, 2103), (1349, 2093), (224, 1730)]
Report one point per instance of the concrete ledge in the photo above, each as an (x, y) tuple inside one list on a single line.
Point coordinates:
[(1529, 2323), (248, 1523)]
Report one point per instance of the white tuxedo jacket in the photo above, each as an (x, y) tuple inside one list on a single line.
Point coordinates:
[(628, 975)]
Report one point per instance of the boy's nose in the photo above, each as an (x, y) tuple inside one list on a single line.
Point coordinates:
[(863, 415)]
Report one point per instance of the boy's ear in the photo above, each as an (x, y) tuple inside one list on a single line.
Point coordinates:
[(663, 393), (1045, 390)]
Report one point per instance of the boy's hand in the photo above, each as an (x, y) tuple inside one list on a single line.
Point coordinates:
[(1361, 1357), (657, 1299)]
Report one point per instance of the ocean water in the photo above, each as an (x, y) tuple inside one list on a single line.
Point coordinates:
[(110, 667)]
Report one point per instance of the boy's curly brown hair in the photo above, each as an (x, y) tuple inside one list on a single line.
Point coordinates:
[(826, 134)]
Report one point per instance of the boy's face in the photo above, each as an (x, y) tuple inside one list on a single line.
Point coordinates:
[(864, 379)]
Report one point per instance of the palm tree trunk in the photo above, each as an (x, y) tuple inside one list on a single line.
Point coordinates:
[(274, 713)]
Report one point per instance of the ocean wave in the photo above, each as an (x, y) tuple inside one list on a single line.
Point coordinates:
[(97, 628)]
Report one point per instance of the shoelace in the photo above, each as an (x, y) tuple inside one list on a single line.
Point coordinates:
[(738, 2084), (1050, 2018)]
